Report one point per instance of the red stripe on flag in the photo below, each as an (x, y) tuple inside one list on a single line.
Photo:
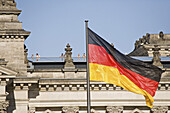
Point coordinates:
[(99, 55)]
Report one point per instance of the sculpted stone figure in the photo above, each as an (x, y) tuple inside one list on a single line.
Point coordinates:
[(136, 44), (147, 37), (140, 41), (161, 34), (144, 39)]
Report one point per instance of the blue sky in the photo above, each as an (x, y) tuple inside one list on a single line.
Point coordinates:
[(54, 23)]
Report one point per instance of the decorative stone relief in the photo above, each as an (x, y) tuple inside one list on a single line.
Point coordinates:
[(3, 106), (70, 109), (143, 40), (7, 3), (160, 109), (32, 110), (114, 109)]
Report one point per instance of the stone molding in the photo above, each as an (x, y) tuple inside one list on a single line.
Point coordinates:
[(22, 86), (70, 109), (114, 109), (94, 87), (160, 109), (4, 81), (11, 37), (8, 72)]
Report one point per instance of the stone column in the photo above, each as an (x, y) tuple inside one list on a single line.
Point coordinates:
[(114, 109), (70, 109), (21, 98), (160, 109)]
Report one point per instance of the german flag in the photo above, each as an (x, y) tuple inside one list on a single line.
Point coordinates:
[(109, 65)]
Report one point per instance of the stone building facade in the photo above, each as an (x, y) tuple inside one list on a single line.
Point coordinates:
[(42, 86)]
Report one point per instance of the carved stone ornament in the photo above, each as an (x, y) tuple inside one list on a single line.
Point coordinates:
[(160, 109), (156, 59), (3, 106), (68, 59), (8, 3), (70, 109), (114, 109), (32, 110)]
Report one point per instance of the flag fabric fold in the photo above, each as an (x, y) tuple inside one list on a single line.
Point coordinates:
[(109, 65)]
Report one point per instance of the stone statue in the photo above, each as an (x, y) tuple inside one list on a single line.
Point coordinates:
[(140, 41), (144, 39), (147, 37), (161, 34), (136, 44)]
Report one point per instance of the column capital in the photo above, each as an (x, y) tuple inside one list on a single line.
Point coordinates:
[(114, 109), (31, 110), (159, 109), (70, 109), (3, 105)]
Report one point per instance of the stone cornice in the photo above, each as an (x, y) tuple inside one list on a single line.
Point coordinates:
[(47, 84), (10, 11), (14, 34)]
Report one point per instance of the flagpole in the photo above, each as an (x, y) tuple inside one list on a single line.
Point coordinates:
[(88, 77)]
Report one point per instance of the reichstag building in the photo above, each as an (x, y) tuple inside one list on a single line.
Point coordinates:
[(58, 85)]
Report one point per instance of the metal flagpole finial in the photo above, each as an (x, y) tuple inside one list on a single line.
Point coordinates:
[(86, 21)]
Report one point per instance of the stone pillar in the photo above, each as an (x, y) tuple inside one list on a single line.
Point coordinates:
[(156, 59), (21, 98), (3, 94), (68, 59), (70, 109), (159, 109), (114, 109)]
